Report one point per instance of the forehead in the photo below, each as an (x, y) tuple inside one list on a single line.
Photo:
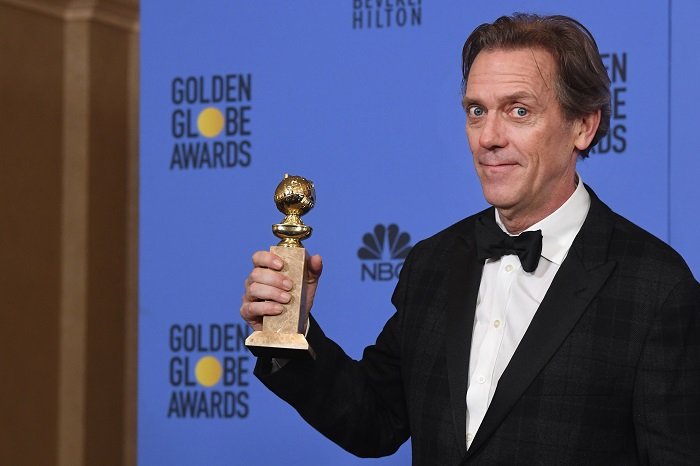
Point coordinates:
[(519, 70)]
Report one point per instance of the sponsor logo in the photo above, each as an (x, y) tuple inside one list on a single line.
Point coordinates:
[(209, 371), (211, 122), (616, 139), (383, 14), (382, 252)]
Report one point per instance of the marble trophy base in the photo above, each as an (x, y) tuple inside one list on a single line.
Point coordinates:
[(282, 335)]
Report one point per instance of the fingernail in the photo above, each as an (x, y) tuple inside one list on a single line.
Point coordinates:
[(287, 284), (277, 263), (279, 308), (285, 297)]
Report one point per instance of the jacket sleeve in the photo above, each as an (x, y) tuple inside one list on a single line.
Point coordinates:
[(667, 388), (359, 405)]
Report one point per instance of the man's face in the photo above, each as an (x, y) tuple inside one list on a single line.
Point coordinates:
[(524, 148)]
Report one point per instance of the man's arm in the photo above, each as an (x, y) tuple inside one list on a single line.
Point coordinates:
[(358, 405), (667, 388)]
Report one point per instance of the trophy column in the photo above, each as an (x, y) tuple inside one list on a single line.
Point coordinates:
[(282, 335)]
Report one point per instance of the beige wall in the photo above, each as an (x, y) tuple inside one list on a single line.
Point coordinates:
[(68, 184)]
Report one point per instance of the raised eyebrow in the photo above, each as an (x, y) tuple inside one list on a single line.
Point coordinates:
[(519, 97), (467, 102), (510, 98)]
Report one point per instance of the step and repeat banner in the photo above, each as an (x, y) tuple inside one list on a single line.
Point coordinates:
[(363, 98)]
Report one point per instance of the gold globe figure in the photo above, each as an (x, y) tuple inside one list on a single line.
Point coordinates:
[(294, 197)]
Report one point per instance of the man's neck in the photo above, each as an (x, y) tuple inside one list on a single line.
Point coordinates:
[(518, 221), (517, 224)]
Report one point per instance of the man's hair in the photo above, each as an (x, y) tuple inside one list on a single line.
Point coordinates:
[(582, 84)]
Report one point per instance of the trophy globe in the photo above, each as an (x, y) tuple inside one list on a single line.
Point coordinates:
[(294, 197)]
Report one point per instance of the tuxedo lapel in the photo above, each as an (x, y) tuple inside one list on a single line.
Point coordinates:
[(464, 280), (576, 283)]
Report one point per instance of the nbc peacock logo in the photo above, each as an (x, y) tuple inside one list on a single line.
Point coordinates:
[(383, 252)]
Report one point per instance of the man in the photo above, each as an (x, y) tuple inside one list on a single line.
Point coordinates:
[(548, 330)]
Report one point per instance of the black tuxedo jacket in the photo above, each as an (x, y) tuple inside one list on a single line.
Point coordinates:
[(608, 373)]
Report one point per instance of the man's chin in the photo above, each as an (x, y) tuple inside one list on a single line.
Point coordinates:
[(499, 186), (498, 198)]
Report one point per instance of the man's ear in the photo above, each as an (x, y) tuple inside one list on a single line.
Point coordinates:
[(586, 126)]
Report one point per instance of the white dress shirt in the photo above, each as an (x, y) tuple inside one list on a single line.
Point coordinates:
[(508, 299)]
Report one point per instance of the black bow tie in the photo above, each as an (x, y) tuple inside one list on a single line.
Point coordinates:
[(492, 243)]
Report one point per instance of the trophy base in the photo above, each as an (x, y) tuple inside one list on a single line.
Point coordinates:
[(279, 345)]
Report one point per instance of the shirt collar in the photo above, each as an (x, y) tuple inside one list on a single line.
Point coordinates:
[(561, 226)]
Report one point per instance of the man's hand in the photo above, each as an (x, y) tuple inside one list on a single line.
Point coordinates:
[(266, 288)]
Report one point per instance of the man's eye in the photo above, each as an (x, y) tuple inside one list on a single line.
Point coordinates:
[(476, 111), (520, 112)]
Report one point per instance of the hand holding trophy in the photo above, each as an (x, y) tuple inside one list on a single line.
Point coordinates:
[(282, 336)]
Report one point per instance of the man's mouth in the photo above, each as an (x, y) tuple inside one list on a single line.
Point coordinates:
[(498, 167)]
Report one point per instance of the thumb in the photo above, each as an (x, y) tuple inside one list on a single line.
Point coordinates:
[(314, 267)]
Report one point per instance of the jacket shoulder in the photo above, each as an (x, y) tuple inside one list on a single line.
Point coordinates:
[(444, 240), (639, 252)]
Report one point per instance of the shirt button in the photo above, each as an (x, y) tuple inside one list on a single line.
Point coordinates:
[(470, 436), (481, 379), (509, 268), (496, 323)]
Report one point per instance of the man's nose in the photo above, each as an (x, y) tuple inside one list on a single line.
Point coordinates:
[(492, 133)]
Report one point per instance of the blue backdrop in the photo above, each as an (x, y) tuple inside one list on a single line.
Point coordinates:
[(363, 98)]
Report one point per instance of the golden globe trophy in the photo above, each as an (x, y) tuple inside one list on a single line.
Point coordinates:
[(282, 336)]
